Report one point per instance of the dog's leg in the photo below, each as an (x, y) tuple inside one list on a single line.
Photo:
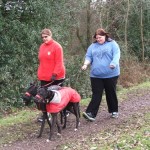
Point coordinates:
[(77, 114), (79, 110), (48, 121), (43, 124), (70, 107), (54, 122), (58, 126), (61, 117), (54, 117), (65, 118)]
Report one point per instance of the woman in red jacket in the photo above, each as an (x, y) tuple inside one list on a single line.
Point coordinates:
[(51, 70)]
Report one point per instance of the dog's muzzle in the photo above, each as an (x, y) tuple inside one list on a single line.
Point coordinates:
[(26, 99)]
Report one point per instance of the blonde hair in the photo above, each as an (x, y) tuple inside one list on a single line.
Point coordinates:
[(47, 32)]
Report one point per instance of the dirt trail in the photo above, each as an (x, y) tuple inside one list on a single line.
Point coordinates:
[(135, 103)]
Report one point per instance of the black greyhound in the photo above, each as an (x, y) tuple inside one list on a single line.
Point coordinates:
[(29, 94), (45, 96)]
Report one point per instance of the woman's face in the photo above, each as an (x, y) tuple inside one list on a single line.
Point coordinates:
[(46, 38), (100, 39)]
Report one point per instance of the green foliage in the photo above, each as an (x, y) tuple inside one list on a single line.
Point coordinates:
[(134, 29), (115, 23), (20, 30), (76, 78), (72, 23)]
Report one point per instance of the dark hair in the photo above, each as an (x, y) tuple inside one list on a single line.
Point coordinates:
[(101, 32)]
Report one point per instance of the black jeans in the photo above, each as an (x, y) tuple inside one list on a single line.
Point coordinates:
[(49, 83), (98, 85)]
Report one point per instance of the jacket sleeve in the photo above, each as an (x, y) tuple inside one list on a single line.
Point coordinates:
[(116, 54), (59, 64), (88, 56)]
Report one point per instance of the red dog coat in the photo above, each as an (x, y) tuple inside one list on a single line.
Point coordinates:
[(67, 95)]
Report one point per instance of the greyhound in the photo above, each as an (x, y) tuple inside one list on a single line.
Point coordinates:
[(57, 101)]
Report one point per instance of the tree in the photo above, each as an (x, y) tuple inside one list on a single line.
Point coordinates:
[(20, 26), (73, 24)]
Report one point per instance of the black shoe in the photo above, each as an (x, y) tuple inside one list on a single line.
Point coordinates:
[(114, 115), (88, 116)]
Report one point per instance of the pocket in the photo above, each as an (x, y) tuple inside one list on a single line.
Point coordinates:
[(102, 71)]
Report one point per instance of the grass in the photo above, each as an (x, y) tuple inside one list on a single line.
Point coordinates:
[(17, 126), (133, 134), (18, 117)]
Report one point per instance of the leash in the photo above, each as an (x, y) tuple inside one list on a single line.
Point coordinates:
[(47, 84)]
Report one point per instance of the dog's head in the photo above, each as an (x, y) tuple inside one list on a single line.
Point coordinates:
[(43, 95), (31, 91)]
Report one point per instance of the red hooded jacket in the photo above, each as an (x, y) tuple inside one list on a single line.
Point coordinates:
[(51, 61), (67, 95)]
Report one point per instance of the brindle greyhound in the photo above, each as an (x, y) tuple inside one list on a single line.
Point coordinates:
[(32, 91), (49, 99)]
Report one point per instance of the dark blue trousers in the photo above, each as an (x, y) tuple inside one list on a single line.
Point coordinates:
[(98, 86), (49, 83)]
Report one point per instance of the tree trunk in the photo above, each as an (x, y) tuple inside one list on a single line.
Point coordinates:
[(126, 27), (141, 27)]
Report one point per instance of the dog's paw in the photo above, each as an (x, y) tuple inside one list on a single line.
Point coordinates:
[(39, 136), (58, 134), (75, 129)]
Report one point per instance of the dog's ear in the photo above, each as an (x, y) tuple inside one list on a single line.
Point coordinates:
[(42, 92), (50, 95)]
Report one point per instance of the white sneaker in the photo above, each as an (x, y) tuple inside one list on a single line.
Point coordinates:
[(114, 115)]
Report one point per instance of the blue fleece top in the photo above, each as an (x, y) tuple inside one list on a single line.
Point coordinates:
[(101, 56)]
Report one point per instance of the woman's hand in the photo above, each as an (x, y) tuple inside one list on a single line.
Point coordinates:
[(112, 66), (84, 67), (53, 78)]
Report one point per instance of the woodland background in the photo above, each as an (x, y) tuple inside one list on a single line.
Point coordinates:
[(73, 22)]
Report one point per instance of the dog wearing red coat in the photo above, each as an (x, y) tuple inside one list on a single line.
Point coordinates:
[(55, 101)]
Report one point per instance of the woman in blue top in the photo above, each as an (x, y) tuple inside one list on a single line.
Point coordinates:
[(103, 56)]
